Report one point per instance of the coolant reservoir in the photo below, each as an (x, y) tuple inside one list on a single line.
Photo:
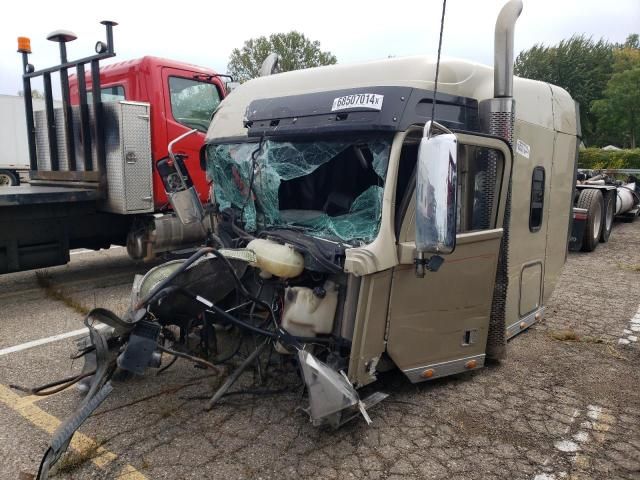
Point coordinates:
[(277, 259), (309, 312)]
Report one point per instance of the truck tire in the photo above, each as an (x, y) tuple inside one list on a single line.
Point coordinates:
[(9, 178), (591, 200), (609, 213)]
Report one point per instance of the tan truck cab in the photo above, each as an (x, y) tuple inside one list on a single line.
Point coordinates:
[(352, 134)]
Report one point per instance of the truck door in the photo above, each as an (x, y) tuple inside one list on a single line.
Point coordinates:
[(190, 100), (438, 324)]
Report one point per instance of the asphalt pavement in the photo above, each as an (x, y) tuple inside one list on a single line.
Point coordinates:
[(564, 404)]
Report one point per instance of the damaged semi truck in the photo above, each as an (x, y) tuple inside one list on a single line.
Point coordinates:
[(356, 231)]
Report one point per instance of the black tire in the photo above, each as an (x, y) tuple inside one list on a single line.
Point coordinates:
[(9, 178), (609, 213), (591, 200)]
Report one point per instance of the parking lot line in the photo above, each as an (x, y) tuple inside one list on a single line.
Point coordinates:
[(26, 408), (43, 341)]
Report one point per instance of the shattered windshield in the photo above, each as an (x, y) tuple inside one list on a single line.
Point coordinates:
[(332, 189)]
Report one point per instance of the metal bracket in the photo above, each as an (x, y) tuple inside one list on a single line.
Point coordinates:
[(431, 264)]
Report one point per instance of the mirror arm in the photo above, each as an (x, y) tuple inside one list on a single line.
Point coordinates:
[(431, 264), (432, 126)]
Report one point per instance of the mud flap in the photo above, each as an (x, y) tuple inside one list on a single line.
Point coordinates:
[(578, 226)]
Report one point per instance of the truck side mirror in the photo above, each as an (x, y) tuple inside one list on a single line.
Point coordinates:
[(270, 65), (231, 86), (178, 185), (436, 194)]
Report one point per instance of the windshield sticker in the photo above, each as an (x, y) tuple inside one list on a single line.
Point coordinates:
[(522, 148), (371, 101)]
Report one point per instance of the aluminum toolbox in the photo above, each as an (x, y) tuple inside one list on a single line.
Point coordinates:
[(128, 153)]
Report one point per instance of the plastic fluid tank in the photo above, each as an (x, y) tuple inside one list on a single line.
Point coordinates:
[(309, 312), (277, 259)]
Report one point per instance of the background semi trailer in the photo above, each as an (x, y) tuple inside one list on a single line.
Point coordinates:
[(599, 199), (14, 159), (92, 177)]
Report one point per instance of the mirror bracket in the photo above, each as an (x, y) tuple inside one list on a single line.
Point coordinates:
[(432, 126), (431, 264)]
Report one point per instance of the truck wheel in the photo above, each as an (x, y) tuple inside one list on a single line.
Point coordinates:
[(591, 200), (8, 178), (609, 213)]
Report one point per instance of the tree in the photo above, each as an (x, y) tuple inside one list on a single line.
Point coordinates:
[(618, 111), (296, 51), (632, 41), (627, 55), (579, 65)]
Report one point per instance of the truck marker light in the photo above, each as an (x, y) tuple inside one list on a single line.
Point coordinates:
[(24, 45), (471, 364), (538, 316), (428, 373), (523, 325)]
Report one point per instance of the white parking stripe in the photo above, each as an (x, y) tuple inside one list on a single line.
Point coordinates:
[(44, 341), (630, 334)]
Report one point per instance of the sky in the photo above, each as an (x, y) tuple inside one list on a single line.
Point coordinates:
[(205, 33)]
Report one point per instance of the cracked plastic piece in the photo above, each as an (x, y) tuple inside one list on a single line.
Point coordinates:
[(329, 391), (230, 166)]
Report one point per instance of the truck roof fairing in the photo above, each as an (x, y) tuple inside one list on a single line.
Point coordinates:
[(457, 78)]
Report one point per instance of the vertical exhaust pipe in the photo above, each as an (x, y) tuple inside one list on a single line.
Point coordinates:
[(497, 117), (498, 114), (503, 49)]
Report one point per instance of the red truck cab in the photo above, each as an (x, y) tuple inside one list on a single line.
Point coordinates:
[(182, 97)]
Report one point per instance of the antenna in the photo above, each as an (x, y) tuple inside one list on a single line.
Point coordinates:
[(435, 87)]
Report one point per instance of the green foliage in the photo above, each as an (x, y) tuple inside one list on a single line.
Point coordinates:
[(296, 52), (601, 76), (626, 59), (579, 65), (632, 41), (619, 111), (597, 158)]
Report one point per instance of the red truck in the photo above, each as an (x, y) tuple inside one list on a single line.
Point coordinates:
[(93, 178)]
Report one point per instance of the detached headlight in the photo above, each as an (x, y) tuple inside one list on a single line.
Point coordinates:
[(144, 284)]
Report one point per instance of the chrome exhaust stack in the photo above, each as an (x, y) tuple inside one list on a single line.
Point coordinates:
[(497, 117), (497, 114), (503, 49)]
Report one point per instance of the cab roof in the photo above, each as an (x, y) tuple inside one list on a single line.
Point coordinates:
[(150, 62), (536, 102), (147, 63)]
